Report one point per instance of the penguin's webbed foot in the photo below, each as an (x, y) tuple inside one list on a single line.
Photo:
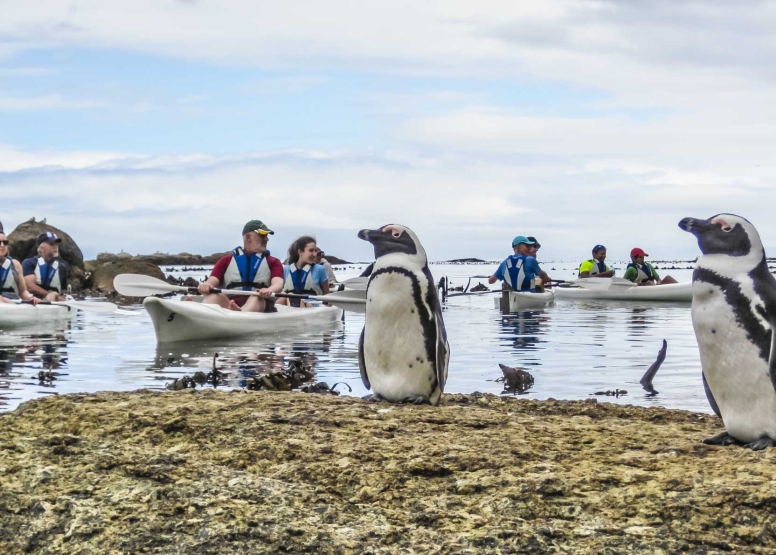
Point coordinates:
[(761, 443), (416, 400), (374, 398), (723, 439)]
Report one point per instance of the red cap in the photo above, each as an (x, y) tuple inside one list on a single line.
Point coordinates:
[(638, 252)]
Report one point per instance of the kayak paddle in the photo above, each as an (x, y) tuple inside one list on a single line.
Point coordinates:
[(132, 285), (87, 306)]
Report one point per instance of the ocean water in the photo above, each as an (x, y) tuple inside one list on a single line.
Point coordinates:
[(572, 349)]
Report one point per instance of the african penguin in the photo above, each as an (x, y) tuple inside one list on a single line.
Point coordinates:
[(733, 312), (403, 351)]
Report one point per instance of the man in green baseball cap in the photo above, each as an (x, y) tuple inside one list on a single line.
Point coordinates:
[(250, 268), (257, 226)]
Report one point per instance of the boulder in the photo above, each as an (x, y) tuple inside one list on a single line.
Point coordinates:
[(104, 257), (102, 278), (23, 245), (25, 235)]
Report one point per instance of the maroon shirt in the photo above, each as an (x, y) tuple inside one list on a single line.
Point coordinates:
[(219, 271)]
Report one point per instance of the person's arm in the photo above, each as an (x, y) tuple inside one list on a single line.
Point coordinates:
[(28, 269), (655, 275), (584, 269), (216, 276), (21, 283), (499, 275), (631, 274), (277, 280), (322, 279)]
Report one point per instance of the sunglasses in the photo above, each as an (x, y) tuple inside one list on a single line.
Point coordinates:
[(4, 243), (598, 247)]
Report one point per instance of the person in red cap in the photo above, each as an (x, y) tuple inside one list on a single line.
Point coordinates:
[(641, 272)]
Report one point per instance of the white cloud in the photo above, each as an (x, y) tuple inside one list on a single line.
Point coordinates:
[(47, 102), (458, 207)]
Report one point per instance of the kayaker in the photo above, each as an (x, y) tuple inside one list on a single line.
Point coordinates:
[(12, 283), (248, 268), (519, 271), (533, 250), (596, 267), (46, 275), (302, 275), (319, 259), (641, 272)]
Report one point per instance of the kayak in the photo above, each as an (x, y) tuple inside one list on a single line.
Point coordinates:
[(676, 292), (16, 315), (191, 320), (524, 300)]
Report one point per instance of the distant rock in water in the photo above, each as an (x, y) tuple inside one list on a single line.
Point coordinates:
[(23, 245), (465, 261), (335, 261), (102, 277), (164, 259)]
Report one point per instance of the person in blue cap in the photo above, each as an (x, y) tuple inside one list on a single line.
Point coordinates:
[(519, 271)]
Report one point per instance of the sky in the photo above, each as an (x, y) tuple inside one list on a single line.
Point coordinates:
[(164, 125)]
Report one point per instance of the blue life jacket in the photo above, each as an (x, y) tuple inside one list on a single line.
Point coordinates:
[(247, 271), (47, 275), (8, 277), (518, 278)]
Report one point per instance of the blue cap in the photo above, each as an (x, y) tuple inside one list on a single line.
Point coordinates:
[(522, 239)]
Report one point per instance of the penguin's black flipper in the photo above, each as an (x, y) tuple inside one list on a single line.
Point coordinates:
[(709, 396), (361, 363)]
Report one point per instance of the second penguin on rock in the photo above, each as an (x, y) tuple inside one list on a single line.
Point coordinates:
[(403, 352)]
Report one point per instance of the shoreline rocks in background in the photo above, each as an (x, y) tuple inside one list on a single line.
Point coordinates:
[(101, 279), (247, 472)]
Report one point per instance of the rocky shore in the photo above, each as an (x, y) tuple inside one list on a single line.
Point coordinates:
[(204, 471)]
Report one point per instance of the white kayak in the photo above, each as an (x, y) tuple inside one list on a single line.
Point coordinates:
[(525, 300), (618, 291), (22, 314), (191, 320)]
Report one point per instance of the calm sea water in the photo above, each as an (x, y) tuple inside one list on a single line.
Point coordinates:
[(572, 349)]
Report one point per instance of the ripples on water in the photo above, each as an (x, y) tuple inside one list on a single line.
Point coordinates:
[(572, 350)]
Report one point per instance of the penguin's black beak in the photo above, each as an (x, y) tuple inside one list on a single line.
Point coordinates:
[(367, 234), (694, 225)]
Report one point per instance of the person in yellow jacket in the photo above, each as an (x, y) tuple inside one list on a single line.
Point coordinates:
[(596, 267)]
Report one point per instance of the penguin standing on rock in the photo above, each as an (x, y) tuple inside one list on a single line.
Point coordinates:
[(403, 351), (733, 313)]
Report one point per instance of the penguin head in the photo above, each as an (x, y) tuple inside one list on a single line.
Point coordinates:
[(726, 234), (395, 239)]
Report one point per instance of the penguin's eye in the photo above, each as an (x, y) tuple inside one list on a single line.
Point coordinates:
[(723, 225), (395, 232)]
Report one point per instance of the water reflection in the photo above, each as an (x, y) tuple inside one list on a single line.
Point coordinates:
[(240, 363), (571, 349), (525, 330)]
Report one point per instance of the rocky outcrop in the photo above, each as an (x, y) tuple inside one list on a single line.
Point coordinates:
[(23, 245), (101, 279), (276, 472), (24, 237)]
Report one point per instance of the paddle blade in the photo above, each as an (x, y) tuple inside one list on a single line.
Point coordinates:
[(134, 285), (90, 306), (352, 301)]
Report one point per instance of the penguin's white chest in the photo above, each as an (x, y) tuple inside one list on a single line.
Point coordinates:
[(395, 351), (738, 377)]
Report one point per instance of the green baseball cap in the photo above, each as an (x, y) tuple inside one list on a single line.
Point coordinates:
[(257, 226), (522, 239)]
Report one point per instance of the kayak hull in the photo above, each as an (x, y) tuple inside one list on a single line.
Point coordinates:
[(521, 301), (675, 292), (188, 320), (18, 315)]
